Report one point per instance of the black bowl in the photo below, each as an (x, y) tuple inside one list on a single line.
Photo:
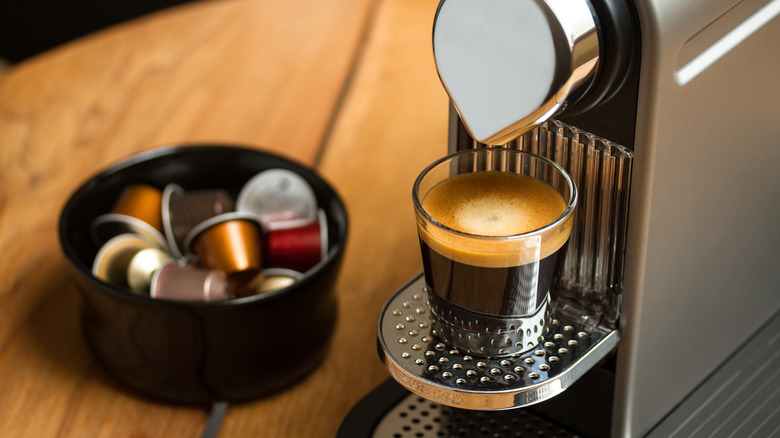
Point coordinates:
[(199, 352)]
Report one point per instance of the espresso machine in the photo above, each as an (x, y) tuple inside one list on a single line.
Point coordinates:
[(666, 115)]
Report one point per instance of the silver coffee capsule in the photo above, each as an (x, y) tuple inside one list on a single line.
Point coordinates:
[(107, 226), (277, 197), (182, 211), (170, 191)]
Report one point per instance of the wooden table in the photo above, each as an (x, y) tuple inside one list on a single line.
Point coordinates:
[(347, 87)]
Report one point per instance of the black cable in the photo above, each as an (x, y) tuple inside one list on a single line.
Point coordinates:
[(218, 410)]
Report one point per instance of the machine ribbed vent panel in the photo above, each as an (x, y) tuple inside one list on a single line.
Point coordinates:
[(593, 268)]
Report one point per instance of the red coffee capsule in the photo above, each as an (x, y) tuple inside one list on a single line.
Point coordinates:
[(298, 248)]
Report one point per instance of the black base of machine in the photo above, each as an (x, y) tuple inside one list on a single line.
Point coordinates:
[(391, 411)]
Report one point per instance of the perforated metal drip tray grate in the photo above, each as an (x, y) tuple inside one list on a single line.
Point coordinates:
[(426, 366), (415, 417)]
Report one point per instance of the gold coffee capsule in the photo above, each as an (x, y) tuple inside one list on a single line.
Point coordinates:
[(230, 242), (113, 258), (142, 267), (277, 278)]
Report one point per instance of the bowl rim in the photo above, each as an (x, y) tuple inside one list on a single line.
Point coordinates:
[(333, 256)]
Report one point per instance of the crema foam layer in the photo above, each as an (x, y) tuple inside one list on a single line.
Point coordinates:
[(494, 204)]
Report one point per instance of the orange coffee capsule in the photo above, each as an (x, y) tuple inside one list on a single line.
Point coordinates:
[(142, 202), (230, 242)]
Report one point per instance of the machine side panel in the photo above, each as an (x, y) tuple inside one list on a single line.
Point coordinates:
[(704, 226), (742, 398)]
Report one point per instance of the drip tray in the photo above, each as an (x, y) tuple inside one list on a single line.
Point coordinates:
[(424, 365), (415, 417)]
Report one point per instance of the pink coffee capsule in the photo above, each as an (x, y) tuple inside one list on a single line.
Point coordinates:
[(180, 283), (298, 248)]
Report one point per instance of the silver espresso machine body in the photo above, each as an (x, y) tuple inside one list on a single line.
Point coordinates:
[(667, 114), (701, 259)]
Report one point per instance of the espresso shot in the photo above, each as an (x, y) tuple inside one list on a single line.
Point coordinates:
[(493, 226), (514, 290)]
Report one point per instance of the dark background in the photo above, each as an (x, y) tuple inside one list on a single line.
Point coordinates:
[(29, 27)]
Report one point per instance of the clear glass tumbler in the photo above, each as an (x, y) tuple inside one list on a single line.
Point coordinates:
[(493, 226)]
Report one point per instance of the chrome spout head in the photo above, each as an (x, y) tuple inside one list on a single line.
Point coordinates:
[(509, 65)]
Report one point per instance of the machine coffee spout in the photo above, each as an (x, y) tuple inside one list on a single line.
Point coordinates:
[(510, 65)]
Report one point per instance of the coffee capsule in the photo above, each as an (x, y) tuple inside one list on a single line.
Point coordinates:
[(182, 211), (298, 248), (109, 225), (142, 202), (114, 257), (230, 242), (142, 267), (170, 192), (180, 283), (278, 196), (277, 278)]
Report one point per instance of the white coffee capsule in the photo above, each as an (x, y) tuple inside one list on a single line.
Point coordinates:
[(278, 197)]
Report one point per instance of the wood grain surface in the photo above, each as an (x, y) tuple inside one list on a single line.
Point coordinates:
[(347, 87)]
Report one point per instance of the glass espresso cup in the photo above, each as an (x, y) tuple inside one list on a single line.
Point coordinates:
[(493, 226)]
